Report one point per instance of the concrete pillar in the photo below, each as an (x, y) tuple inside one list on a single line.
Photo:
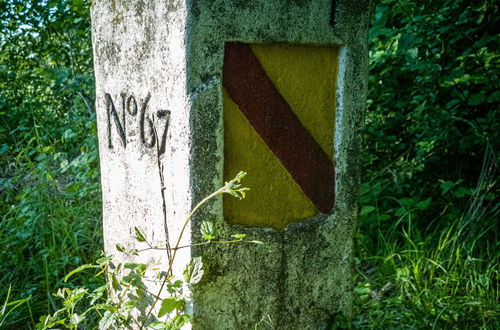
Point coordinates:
[(190, 92)]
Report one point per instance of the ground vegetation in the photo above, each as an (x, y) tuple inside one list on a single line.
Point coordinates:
[(427, 251)]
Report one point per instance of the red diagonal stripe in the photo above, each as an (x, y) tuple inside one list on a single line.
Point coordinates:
[(272, 118)]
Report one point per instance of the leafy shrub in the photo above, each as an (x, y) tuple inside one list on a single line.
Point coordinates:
[(49, 191), (124, 300), (427, 242)]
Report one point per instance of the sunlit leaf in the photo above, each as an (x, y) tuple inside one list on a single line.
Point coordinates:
[(193, 271), (168, 305)]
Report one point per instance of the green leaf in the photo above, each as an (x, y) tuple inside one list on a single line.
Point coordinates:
[(234, 188), (98, 294), (462, 191), (139, 236), (115, 283), (106, 307), (452, 103), (367, 209), (158, 325), (179, 320), (207, 230), (472, 303), (446, 186), (4, 148), (400, 211), (239, 236), (106, 321), (424, 205), (406, 42), (170, 304), (79, 269), (76, 319), (476, 99), (103, 261), (174, 323), (407, 202), (494, 97), (136, 267), (193, 271), (119, 248), (129, 304), (362, 290)]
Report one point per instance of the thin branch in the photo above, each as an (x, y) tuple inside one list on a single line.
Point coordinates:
[(194, 244), (162, 192), (87, 105)]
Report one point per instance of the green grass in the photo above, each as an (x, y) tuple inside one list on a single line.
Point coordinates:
[(50, 224), (427, 244), (441, 276), (445, 276), (411, 273)]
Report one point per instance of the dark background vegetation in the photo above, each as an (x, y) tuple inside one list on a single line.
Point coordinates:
[(427, 241)]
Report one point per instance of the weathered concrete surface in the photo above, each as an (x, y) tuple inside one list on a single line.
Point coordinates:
[(174, 51), (140, 72)]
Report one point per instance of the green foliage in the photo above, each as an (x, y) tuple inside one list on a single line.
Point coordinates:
[(49, 191), (10, 306), (46, 79), (434, 85), (442, 281), (428, 238), (124, 299)]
